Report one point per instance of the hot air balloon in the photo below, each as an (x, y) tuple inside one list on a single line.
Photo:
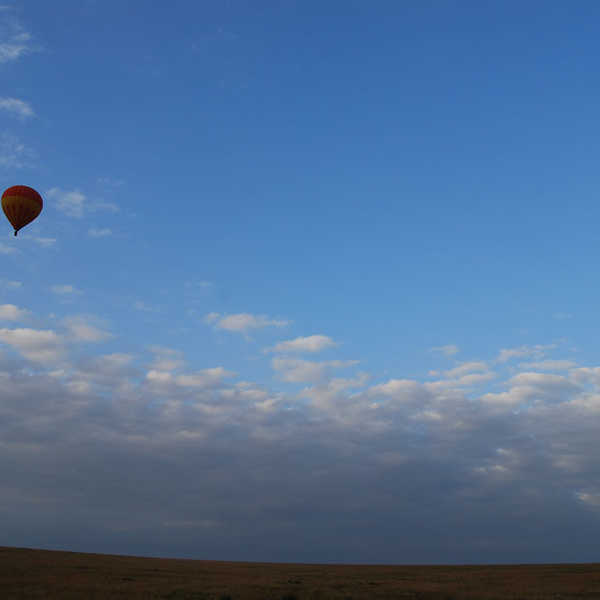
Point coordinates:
[(21, 205)]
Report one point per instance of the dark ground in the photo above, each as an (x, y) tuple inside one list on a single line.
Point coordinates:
[(29, 574)]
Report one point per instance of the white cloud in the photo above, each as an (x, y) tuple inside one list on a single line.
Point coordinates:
[(10, 312), (114, 361), (71, 203), (534, 388), (537, 351), (18, 107), (243, 322), (465, 368), (449, 350), (463, 381), (16, 42), (206, 378), (65, 290), (296, 370), (311, 343), (386, 452), (82, 330), (548, 365), (166, 359), (398, 388), (203, 379), (583, 375), (591, 499), (97, 233), (43, 346)]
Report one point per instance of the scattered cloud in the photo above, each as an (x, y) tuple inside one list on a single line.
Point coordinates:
[(14, 154), (74, 203), (6, 249), (7, 284), (449, 350), (45, 242), (101, 205), (387, 451), (65, 290), (166, 359), (311, 343), (537, 351), (243, 322), (144, 307), (467, 367), (16, 42), (71, 203), (10, 312), (561, 316), (83, 329), (588, 498), (548, 365), (297, 370), (20, 108), (99, 232), (40, 346), (110, 181)]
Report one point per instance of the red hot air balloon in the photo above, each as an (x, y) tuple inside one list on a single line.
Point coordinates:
[(21, 205)]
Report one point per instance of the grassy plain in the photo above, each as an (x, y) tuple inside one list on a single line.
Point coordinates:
[(31, 574)]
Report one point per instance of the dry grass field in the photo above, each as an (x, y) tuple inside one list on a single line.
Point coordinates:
[(29, 574)]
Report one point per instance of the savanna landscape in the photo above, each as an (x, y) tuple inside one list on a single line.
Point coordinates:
[(29, 574)]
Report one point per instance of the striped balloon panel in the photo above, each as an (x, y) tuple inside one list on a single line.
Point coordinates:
[(20, 209)]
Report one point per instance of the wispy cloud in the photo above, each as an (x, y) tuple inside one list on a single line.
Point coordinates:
[(166, 359), (448, 350), (65, 289), (8, 284), (561, 316), (243, 322), (20, 108), (110, 181), (85, 329), (71, 203), (6, 249), (311, 343), (465, 368), (16, 41), (98, 233), (548, 365), (45, 242), (14, 153), (296, 370), (144, 306), (537, 351), (74, 203)]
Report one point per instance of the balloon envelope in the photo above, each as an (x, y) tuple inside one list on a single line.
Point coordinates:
[(21, 205)]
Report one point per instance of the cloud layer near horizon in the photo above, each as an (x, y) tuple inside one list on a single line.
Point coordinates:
[(142, 453)]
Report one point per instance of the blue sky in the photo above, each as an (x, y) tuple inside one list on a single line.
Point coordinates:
[(310, 278)]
